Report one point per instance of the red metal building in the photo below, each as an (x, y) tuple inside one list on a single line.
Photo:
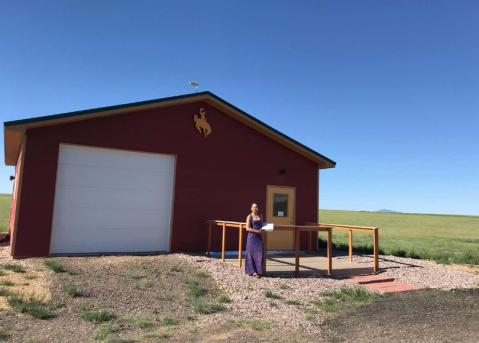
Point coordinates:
[(144, 177)]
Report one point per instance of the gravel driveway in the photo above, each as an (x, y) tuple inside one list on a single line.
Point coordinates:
[(422, 316), (270, 309)]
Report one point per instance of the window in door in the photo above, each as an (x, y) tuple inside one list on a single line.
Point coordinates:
[(280, 205)]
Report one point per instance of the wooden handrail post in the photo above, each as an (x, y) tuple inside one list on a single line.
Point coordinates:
[(223, 245), (240, 250), (376, 250), (310, 238), (330, 251), (350, 245), (297, 240), (265, 251), (294, 238), (209, 240)]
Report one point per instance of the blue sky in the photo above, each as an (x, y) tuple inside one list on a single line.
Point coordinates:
[(387, 89)]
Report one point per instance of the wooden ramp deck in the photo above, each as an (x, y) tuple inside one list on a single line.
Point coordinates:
[(284, 264), (280, 264)]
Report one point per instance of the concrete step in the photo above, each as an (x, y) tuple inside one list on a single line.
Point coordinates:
[(367, 279), (392, 286)]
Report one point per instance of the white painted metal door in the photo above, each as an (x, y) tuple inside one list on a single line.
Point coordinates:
[(111, 201)]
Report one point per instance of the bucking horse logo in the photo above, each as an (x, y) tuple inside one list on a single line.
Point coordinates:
[(202, 124)]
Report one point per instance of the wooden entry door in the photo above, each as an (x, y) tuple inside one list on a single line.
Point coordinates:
[(280, 207)]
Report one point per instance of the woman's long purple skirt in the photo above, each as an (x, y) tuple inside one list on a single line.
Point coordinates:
[(254, 254)]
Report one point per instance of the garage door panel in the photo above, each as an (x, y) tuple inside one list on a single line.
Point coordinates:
[(73, 196), (101, 241), (86, 156), (71, 175), (111, 201), (91, 218)]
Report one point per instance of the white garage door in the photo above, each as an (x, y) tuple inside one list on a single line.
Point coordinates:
[(111, 201)]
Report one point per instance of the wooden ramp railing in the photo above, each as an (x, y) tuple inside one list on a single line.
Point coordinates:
[(373, 230), (297, 229)]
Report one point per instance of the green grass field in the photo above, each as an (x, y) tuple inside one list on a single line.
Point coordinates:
[(443, 238), (5, 203)]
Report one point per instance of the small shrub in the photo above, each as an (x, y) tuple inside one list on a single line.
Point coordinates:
[(72, 290), (141, 321), (399, 252), (57, 304), (293, 302), (169, 321), (3, 334), (271, 295), (7, 283), (149, 284), (30, 277), (166, 298), (467, 257), (412, 254), (153, 271), (32, 306), (174, 268), (97, 316), (136, 277), (155, 335), (4, 292), (284, 286), (103, 333), (273, 304), (202, 274), (55, 266), (2, 273), (259, 324), (310, 310), (309, 317), (224, 299), (16, 268), (194, 290), (346, 298), (204, 308)]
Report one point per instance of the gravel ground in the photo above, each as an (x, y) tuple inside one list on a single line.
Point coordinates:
[(133, 285), (425, 274), (249, 300)]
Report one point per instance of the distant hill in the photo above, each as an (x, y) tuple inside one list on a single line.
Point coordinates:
[(387, 211)]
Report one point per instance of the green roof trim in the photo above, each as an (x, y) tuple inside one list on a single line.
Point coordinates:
[(99, 109), (157, 101)]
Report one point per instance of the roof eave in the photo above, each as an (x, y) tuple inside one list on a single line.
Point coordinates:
[(14, 130)]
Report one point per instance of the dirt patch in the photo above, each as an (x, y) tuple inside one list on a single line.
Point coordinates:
[(419, 316), (470, 269), (31, 283)]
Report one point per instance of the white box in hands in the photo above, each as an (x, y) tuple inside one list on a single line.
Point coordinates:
[(267, 227)]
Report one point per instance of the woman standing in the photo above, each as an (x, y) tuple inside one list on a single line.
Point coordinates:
[(254, 243)]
